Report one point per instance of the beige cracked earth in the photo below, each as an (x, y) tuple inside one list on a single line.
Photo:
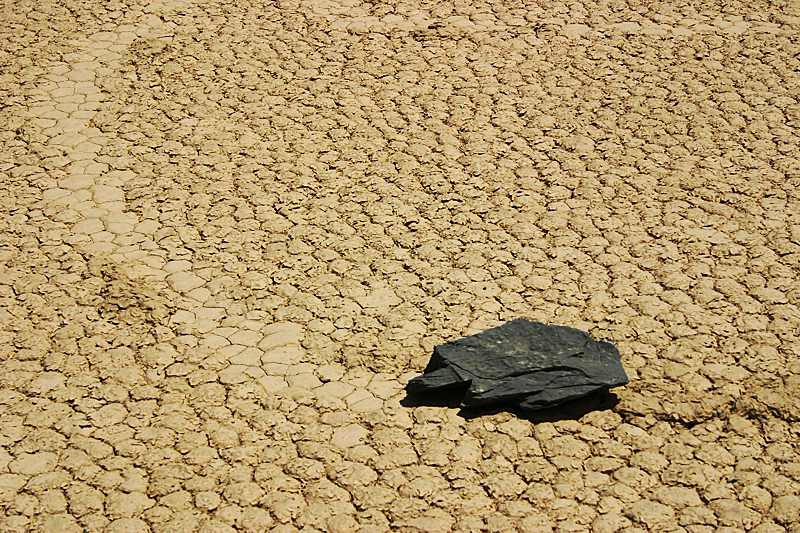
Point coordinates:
[(233, 230)]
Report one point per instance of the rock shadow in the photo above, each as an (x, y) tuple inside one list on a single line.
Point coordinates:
[(572, 410)]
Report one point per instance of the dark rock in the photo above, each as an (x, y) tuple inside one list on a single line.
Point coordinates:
[(526, 363)]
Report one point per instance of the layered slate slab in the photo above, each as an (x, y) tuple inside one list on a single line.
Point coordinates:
[(525, 363)]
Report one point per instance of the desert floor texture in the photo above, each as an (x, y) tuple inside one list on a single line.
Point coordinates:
[(233, 230)]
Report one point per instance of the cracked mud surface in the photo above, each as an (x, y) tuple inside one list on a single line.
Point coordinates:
[(232, 232)]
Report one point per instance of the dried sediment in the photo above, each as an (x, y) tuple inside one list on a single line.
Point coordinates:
[(295, 202)]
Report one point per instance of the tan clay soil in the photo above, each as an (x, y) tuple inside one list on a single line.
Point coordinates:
[(232, 231)]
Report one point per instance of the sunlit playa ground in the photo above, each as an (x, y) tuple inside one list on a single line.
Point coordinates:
[(232, 231)]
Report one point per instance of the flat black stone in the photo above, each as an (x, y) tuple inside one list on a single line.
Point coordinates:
[(528, 364)]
